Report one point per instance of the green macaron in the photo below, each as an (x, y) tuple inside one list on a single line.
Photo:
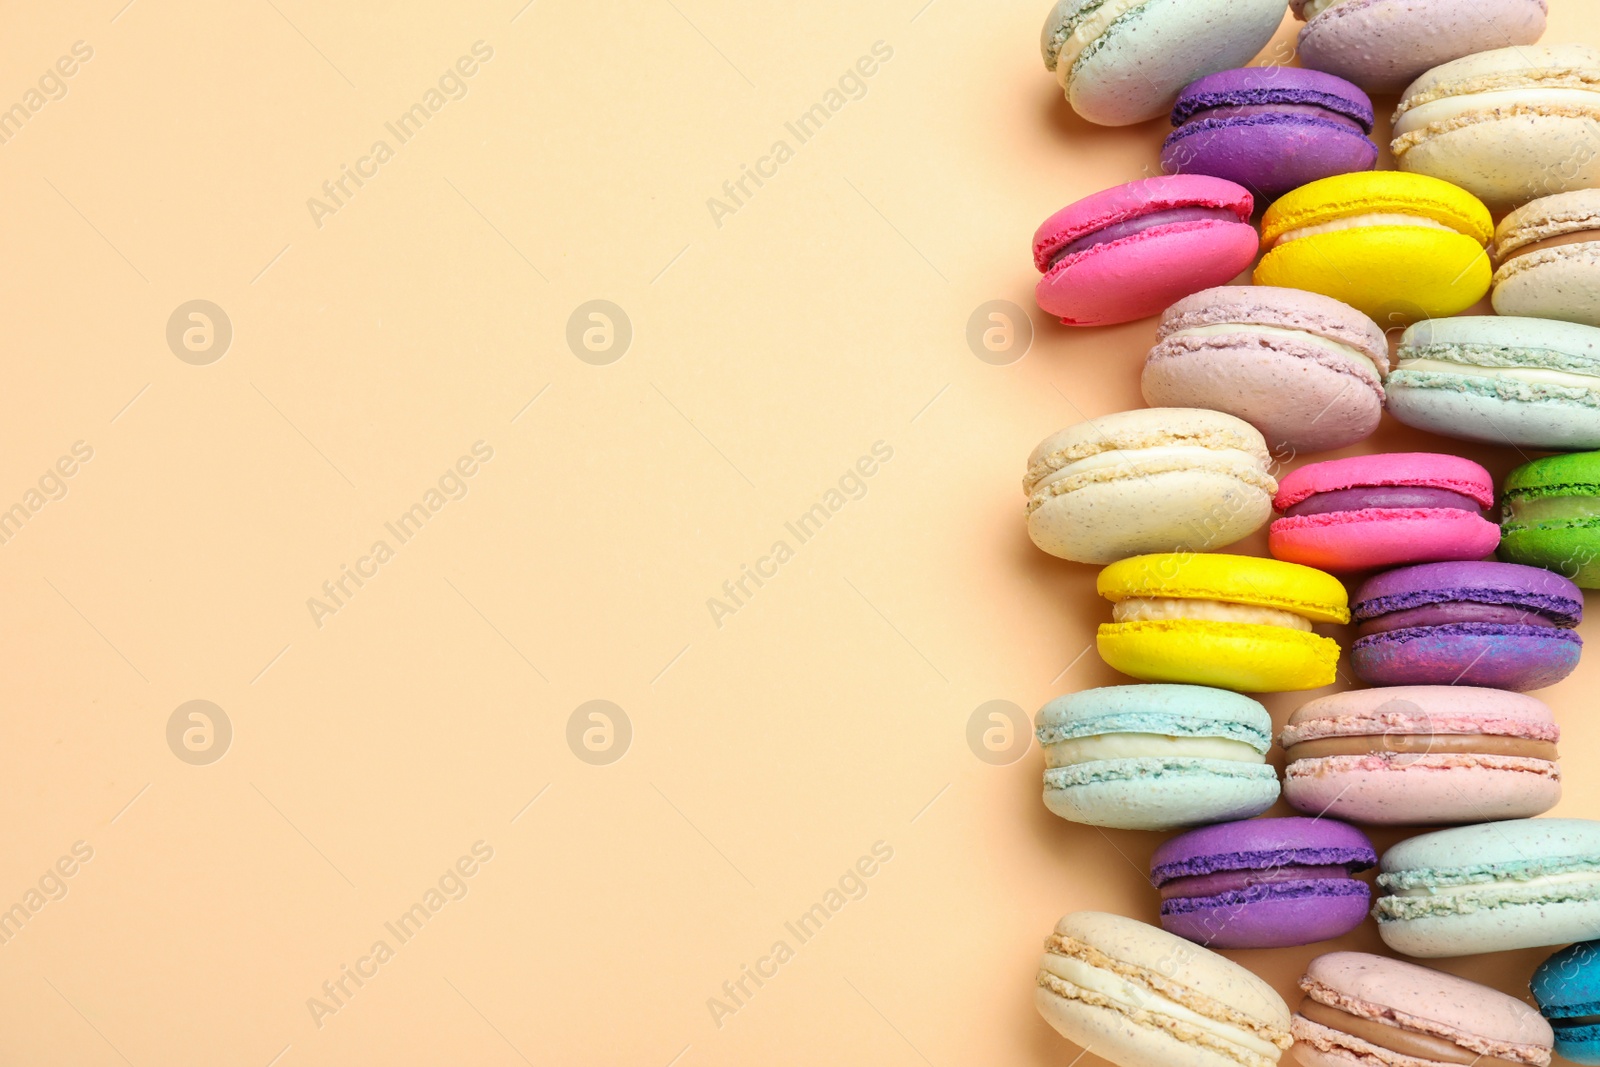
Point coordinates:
[(1550, 516)]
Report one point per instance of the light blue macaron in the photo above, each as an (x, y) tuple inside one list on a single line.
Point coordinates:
[(1528, 383), (1567, 987), (1156, 757), (1487, 888)]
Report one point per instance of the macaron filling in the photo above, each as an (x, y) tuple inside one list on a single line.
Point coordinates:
[(1455, 614), (1164, 609), (1423, 744), (1498, 103), (1210, 885), (1080, 34), (1521, 510), (1565, 240), (1384, 497), (1227, 113), (1362, 222), (1313, 8), (1394, 1038), (1458, 365), (1073, 751), (1122, 230), (1262, 334)]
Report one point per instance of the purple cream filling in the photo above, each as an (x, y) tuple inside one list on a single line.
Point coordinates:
[(1449, 614), (1345, 887), (1129, 227), (1356, 859), (1239, 111), (1209, 885), (1563, 610), (1387, 496)]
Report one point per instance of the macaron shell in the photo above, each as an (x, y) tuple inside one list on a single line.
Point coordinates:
[(1249, 580), (1139, 276), (1555, 283), (1518, 658), (1398, 789), (1297, 401), (1315, 913), (1371, 538), (1426, 469), (1142, 512), (1498, 929), (1268, 154), (1135, 71), (1507, 159), (1494, 411), (1243, 657), (1381, 45), (1117, 1039), (1394, 275), (1572, 550), (1156, 794)]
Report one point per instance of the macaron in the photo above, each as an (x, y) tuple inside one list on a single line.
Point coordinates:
[(1499, 625), (1135, 995), (1365, 512), (1550, 516), (1234, 622), (1123, 61), (1271, 129), (1129, 251), (1381, 45), (1396, 247), (1492, 887), (1509, 125), (1421, 754), (1362, 1010), (1304, 369), (1549, 259), (1151, 480), (1263, 883), (1156, 757), (1567, 987), (1527, 383)]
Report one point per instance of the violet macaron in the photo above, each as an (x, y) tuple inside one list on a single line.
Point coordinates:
[(1500, 625), (1127, 252), (1271, 129), (1366, 512), (1264, 883)]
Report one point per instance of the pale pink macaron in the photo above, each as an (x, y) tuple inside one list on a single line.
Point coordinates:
[(1363, 1010), (1422, 754), (1127, 252), (1366, 512)]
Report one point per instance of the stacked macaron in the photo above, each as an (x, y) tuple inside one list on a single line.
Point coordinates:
[(1464, 601)]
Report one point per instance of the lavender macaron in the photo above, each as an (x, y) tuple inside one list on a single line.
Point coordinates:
[(1270, 129), (1264, 883), (1499, 625)]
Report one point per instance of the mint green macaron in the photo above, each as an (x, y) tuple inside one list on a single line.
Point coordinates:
[(1492, 887), (1550, 516), (1156, 757)]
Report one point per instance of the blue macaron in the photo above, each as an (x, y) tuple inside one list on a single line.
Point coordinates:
[(1156, 757), (1567, 987)]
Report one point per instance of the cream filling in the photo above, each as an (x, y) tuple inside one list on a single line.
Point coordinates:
[(1087, 32), (1162, 609), (1569, 878), (1531, 375), (1453, 107), (1301, 336), (1553, 508), (1136, 997), (1145, 746), (1356, 222), (1133, 458), (1314, 8)]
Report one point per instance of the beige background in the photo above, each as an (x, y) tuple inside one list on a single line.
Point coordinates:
[(430, 711)]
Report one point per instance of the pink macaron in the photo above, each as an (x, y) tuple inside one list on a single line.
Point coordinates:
[(1128, 252), (1367, 512), (1422, 754)]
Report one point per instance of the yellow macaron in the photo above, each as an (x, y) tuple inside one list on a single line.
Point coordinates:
[(1233, 622), (1398, 247)]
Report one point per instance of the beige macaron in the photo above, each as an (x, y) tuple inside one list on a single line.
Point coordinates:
[(1548, 259), (1152, 480), (1509, 126)]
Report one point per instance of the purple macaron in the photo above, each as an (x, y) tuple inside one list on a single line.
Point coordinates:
[(1270, 129), (1264, 883), (1499, 625)]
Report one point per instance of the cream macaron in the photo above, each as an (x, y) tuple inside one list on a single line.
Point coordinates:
[(1548, 257)]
